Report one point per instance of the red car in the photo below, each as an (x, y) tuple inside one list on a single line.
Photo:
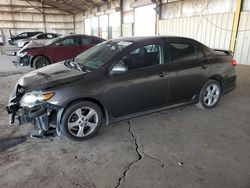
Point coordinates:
[(61, 48)]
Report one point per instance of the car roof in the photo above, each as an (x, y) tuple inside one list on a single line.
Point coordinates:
[(79, 35), (143, 38), (47, 33)]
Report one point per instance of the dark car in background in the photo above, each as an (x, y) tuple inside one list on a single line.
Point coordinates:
[(38, 55), (120, 79), (13, 39), (39, 38)]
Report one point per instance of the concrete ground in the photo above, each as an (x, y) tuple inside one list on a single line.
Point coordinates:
[(183, 147)]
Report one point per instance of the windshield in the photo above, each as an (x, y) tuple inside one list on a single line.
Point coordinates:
[(34, 37), (53, 40), (100, 54)]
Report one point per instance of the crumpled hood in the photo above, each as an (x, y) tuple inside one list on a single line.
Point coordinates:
[(24, 40), (35, 44), (31, 45), (50, 76)]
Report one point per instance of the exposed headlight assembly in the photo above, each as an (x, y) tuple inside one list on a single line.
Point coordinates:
[(35, 98)]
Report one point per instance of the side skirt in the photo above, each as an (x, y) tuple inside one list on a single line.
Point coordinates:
[(138, 114)]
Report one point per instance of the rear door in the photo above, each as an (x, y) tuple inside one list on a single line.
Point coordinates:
[(192, 69)]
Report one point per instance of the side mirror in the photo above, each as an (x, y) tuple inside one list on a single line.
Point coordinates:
[(118, 69), (58, 44)]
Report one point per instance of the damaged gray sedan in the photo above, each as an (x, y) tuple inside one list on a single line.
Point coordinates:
[(120, 79)]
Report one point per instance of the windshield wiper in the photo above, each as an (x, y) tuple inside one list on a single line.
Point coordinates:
[(84, 67)]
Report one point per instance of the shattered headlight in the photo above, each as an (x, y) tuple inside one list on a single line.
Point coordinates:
[(35, 98)]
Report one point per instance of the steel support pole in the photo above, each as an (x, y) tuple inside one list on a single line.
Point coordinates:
[(236, 22)]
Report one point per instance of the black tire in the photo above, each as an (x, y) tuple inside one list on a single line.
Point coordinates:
[(40, 61), (205, 96), (70, 114)]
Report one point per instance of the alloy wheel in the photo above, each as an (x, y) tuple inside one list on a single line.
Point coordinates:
[(43, 62), (82, 122), (211, 95)]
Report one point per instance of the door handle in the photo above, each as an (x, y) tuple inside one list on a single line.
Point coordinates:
[(204, 66), (163, 73)]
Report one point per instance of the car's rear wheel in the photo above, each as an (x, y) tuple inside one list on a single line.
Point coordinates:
[(40, 61), (210, 94), (81, 120)]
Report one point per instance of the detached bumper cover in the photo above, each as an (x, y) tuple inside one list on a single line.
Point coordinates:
[(13, 109), (42, 115)]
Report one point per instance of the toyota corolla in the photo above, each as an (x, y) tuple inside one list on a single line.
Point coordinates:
[(120, 79)]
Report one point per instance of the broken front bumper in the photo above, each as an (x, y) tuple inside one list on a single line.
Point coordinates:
[(42, 115), (24, 115), (22, 61)]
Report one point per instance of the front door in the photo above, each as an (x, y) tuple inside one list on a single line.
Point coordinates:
[(191, 71), (144, 85)]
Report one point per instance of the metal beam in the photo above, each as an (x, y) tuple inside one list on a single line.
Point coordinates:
[(44, 18), (77, 8), (112, 3), (13, 20), (51, 4), (236, 22), (158, 16), (33, 6), (49, 13), (89, 9), (121, 15), (74, 18)]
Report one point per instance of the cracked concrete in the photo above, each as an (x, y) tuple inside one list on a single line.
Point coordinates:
[(121, 179), (183, 147)]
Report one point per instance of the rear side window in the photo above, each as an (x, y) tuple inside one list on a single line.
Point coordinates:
[(50, 36), (182, 51), (206, 50), (200, 53)]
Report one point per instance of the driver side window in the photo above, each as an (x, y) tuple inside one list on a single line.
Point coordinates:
[(68, 42), (144, 56)]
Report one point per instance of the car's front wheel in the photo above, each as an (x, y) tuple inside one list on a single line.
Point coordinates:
[(81, 120), (40, 61), (210, 94)]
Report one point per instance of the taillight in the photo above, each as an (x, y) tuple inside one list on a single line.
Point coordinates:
[(234, 62)]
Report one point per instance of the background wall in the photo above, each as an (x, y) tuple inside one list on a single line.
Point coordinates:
[(208, 21), (79, 23), (18, 16)]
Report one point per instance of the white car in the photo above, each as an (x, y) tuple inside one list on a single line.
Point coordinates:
[(40, 38)]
